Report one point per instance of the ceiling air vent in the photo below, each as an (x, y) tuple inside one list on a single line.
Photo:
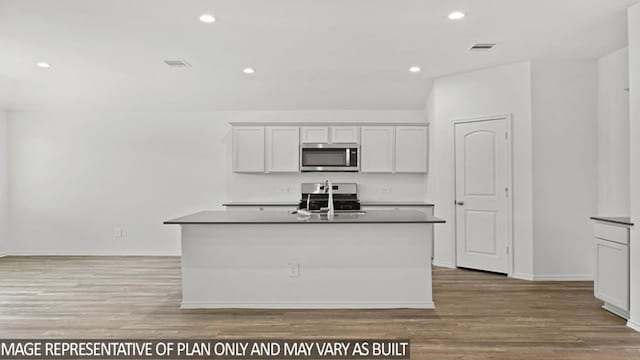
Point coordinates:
[(482, 47), (177, 63)]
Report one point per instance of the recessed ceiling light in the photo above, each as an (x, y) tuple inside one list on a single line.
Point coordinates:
[(43, 65), (415, 69), (249, 71), (207, 18), (456, 15)]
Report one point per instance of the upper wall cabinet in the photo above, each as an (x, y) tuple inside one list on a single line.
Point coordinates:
[(314, 134), (248, 149), (282, 149), (411, 149), (384, 147), (376, 149), (345, 134)]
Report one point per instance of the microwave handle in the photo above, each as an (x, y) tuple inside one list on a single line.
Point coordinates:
[(348, 156)]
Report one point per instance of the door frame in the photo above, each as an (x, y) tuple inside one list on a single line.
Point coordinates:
[(508, 119)]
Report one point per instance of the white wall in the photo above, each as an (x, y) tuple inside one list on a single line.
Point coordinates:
[(79, 175), (564, 138), (613, 134), (4, 185), (500, 90), (634, 132), (553, 105)]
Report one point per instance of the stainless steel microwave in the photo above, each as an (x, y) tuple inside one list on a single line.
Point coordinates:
[(330, 157)]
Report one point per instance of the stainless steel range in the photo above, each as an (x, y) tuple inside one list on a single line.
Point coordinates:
[(316, 197)]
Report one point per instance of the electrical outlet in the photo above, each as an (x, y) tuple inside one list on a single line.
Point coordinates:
[(283, 189), (386, 189), (294, 270), (118, 232)]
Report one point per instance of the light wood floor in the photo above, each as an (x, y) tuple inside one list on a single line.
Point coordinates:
[(478, 315)]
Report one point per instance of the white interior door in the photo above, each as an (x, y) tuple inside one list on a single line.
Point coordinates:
[(482, 211)]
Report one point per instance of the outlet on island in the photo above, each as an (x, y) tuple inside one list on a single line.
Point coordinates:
[(294, 270), (118, 232), (385, 189), (283, 189)]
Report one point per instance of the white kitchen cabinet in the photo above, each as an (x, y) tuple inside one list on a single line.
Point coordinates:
[(345, 134), (314, 134), (376, 149), (282, 149), (411, 155), (611, 280), (248, 149)]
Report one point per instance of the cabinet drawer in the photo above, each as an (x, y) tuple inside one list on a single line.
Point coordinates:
[(611, 232)]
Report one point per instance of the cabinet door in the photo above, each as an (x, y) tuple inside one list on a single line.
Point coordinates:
[(283, 149), (611, 283), (315, 134), (376, 148), (345, 134), (248, 149), (411, 149)]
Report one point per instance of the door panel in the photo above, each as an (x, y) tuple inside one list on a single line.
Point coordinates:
[(479, 163), (481, 195), (482, 225)]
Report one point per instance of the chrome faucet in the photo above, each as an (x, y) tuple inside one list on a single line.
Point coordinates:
[(328, 189)]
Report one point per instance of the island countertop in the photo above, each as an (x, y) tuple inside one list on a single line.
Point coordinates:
[(621, 220), (295, 203), (285, 217)]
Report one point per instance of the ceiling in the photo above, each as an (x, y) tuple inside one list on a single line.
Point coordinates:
[(308, 54)]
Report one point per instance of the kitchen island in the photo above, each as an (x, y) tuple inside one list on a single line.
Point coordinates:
[(275, 259)]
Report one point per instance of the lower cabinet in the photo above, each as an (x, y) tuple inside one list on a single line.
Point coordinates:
[(611, 279)]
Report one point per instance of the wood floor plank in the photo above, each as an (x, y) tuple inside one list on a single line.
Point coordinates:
[(478, 315)]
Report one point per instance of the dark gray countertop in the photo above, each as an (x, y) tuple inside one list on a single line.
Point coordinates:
[(622, 220), (295, 203), (285, 217), (261, 203)]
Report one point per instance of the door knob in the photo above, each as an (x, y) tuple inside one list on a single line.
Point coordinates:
[(459, 203)]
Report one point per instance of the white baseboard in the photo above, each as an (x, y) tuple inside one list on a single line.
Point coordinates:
[(522, 276), (616, 310), (94, 253), (4, 254), (635, 326), (531, 277), (571, 277), (437, 263), (308, 305)]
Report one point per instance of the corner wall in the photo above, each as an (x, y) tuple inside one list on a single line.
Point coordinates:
[(613, 134), (634, 133), (4, 185), (554, 135), (564, 138), (495, 91)]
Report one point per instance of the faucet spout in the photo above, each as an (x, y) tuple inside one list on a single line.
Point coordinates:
[(328, 188)]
